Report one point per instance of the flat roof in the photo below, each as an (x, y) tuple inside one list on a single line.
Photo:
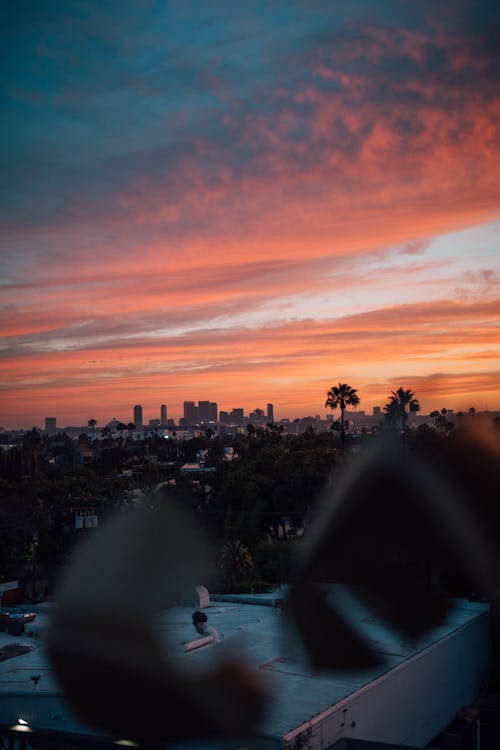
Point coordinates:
[(251, 630)]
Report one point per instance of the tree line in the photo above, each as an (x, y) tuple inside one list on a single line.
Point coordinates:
[(256, 508)]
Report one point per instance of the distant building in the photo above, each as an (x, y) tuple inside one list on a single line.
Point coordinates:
[(204, 412), (237, 416), (257, 415), (270, 413), (163, 415), (213, 411), (207, 412), (50, 425), (191, 413), (377, 412), (138, 416)]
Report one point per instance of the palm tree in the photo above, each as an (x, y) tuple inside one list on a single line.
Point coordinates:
[(342, 396), (402, 402), (443, 425), (92, 423)]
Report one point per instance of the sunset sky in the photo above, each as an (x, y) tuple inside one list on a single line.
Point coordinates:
[(248, 203)]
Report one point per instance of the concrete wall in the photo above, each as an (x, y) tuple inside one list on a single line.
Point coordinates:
[(414, 701)]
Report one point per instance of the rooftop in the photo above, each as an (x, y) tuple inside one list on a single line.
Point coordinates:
[(251, 629)]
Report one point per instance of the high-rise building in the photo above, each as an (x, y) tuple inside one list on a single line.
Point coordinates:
[(163, 415), (138, 416), (237, 416), (204, 412), (213, 411), (377, 412), (191, 416), (50, 425), (270, 413), (257, 416)]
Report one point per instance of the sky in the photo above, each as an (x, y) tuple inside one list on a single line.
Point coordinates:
[(247, 203)]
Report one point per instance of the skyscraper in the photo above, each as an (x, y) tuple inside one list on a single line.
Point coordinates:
[(163, 415), (204, 412), (270, 413), (213, 411), (191, 416), (237, 416), (207, 412), (138, 416)]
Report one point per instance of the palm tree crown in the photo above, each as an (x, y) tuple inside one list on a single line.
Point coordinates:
[(342, 395), (92, 423), (402, 402)]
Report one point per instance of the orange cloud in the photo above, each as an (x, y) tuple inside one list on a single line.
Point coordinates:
[(286, 239), (289, 364)]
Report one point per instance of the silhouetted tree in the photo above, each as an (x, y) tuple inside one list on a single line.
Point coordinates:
[(402, 402), (121, 427), (235, 561), (342, 396), (92, 424), (106, 433), (443, 425)]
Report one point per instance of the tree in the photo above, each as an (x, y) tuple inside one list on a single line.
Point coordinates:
[(121, 427), (443, 425), (130, 428), (402, 402), (235, 561), (342, 396), (92, 423), (106, 433)]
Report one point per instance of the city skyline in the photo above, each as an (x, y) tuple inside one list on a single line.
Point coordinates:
[(149, 411), (251, 203), (151, 418)]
